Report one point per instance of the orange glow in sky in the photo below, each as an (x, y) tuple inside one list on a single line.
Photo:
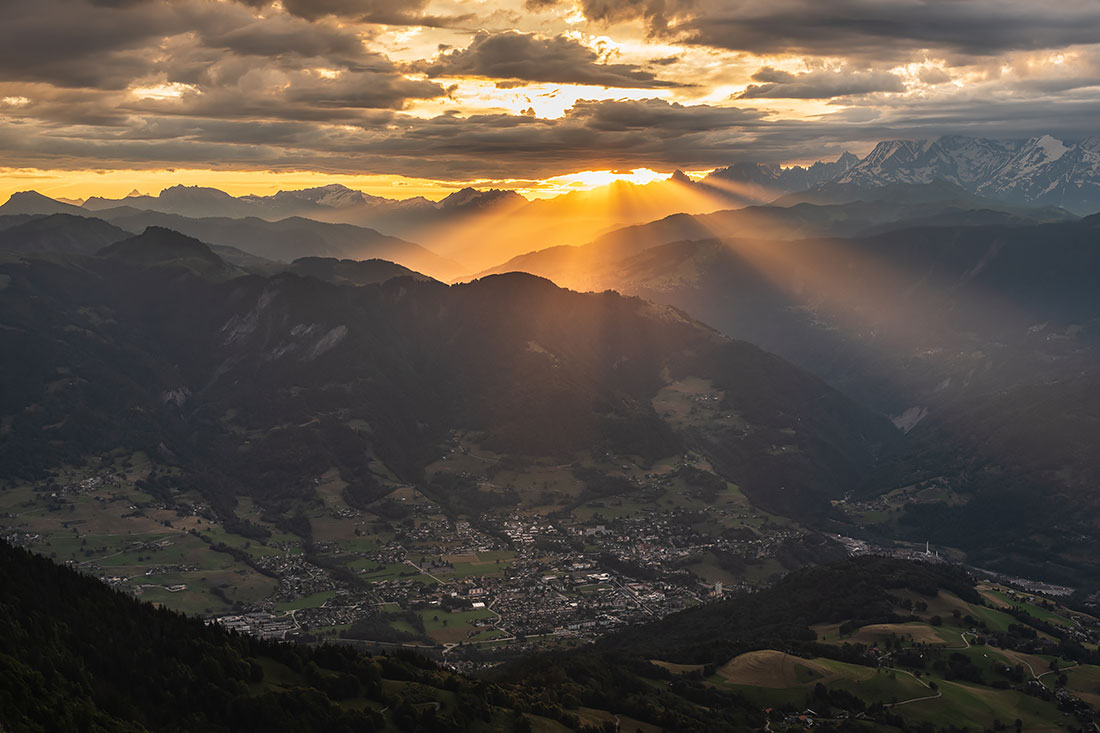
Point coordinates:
[(120, 183)]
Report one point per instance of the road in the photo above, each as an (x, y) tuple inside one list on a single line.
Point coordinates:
[(918, 679), (425, 572)]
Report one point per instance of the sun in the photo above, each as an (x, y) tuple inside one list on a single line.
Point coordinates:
[(588, 180)]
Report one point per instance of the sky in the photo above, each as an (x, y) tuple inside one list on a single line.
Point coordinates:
[(420, 97)]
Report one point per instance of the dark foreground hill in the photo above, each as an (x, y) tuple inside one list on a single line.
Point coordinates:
[(77, 655), (350, 272), (254, 386), (57, 233), (289, 239), (160, 247)]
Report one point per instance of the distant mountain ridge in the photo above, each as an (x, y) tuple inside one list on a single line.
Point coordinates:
[(771, 179), (30, 222), (332, 203), (1038, 171), (1041, 170), (351, 272), (33, 233), (474, 230), (826, 211), (290, 238), (32, 202)]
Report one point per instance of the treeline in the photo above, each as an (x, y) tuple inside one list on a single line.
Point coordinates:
[(779, 617), (76, 655)]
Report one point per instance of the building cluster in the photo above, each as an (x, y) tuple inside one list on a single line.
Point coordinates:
[(297, 576), (533, 575), (263, 625)]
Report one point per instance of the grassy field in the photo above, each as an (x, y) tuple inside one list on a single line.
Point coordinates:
[(456, 627), (695, 403), (1001, 598), (774, 678), (890, 507), (312, 601), (994, 619), (910, 633), (493, 564), (767, 668), (677, 668), (965, 704), (1083, 681), (600, 718)]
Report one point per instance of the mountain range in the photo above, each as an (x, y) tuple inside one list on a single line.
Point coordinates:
[(795, 216), (1037, 171), (932, 302), (166, 342), (763, 182), (333, 202), (283, 240), (472, 230), (471, 226)]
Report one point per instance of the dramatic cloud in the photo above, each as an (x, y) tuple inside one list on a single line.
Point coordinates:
[(528, 57), (658, 14), (74, 44), (889, 29), (533, 87), (819, 84), (397, 12), (646, 133), (282, 36)]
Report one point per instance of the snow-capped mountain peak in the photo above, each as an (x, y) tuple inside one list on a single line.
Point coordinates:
[(1053, 148), (1042, 170)]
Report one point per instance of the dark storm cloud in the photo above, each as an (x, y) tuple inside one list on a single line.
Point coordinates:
[(821, 84), (592, 135), (668, 119), (281, 35), (362, 90), (75, 43), (658, 14), (866, 28), (891, 29), (390, 12), (511, 55), (63, 106), (234, 63), (981, 115), (598, 133), (244, 93)]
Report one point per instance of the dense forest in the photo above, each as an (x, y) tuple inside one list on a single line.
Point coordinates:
[(120, 351)]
